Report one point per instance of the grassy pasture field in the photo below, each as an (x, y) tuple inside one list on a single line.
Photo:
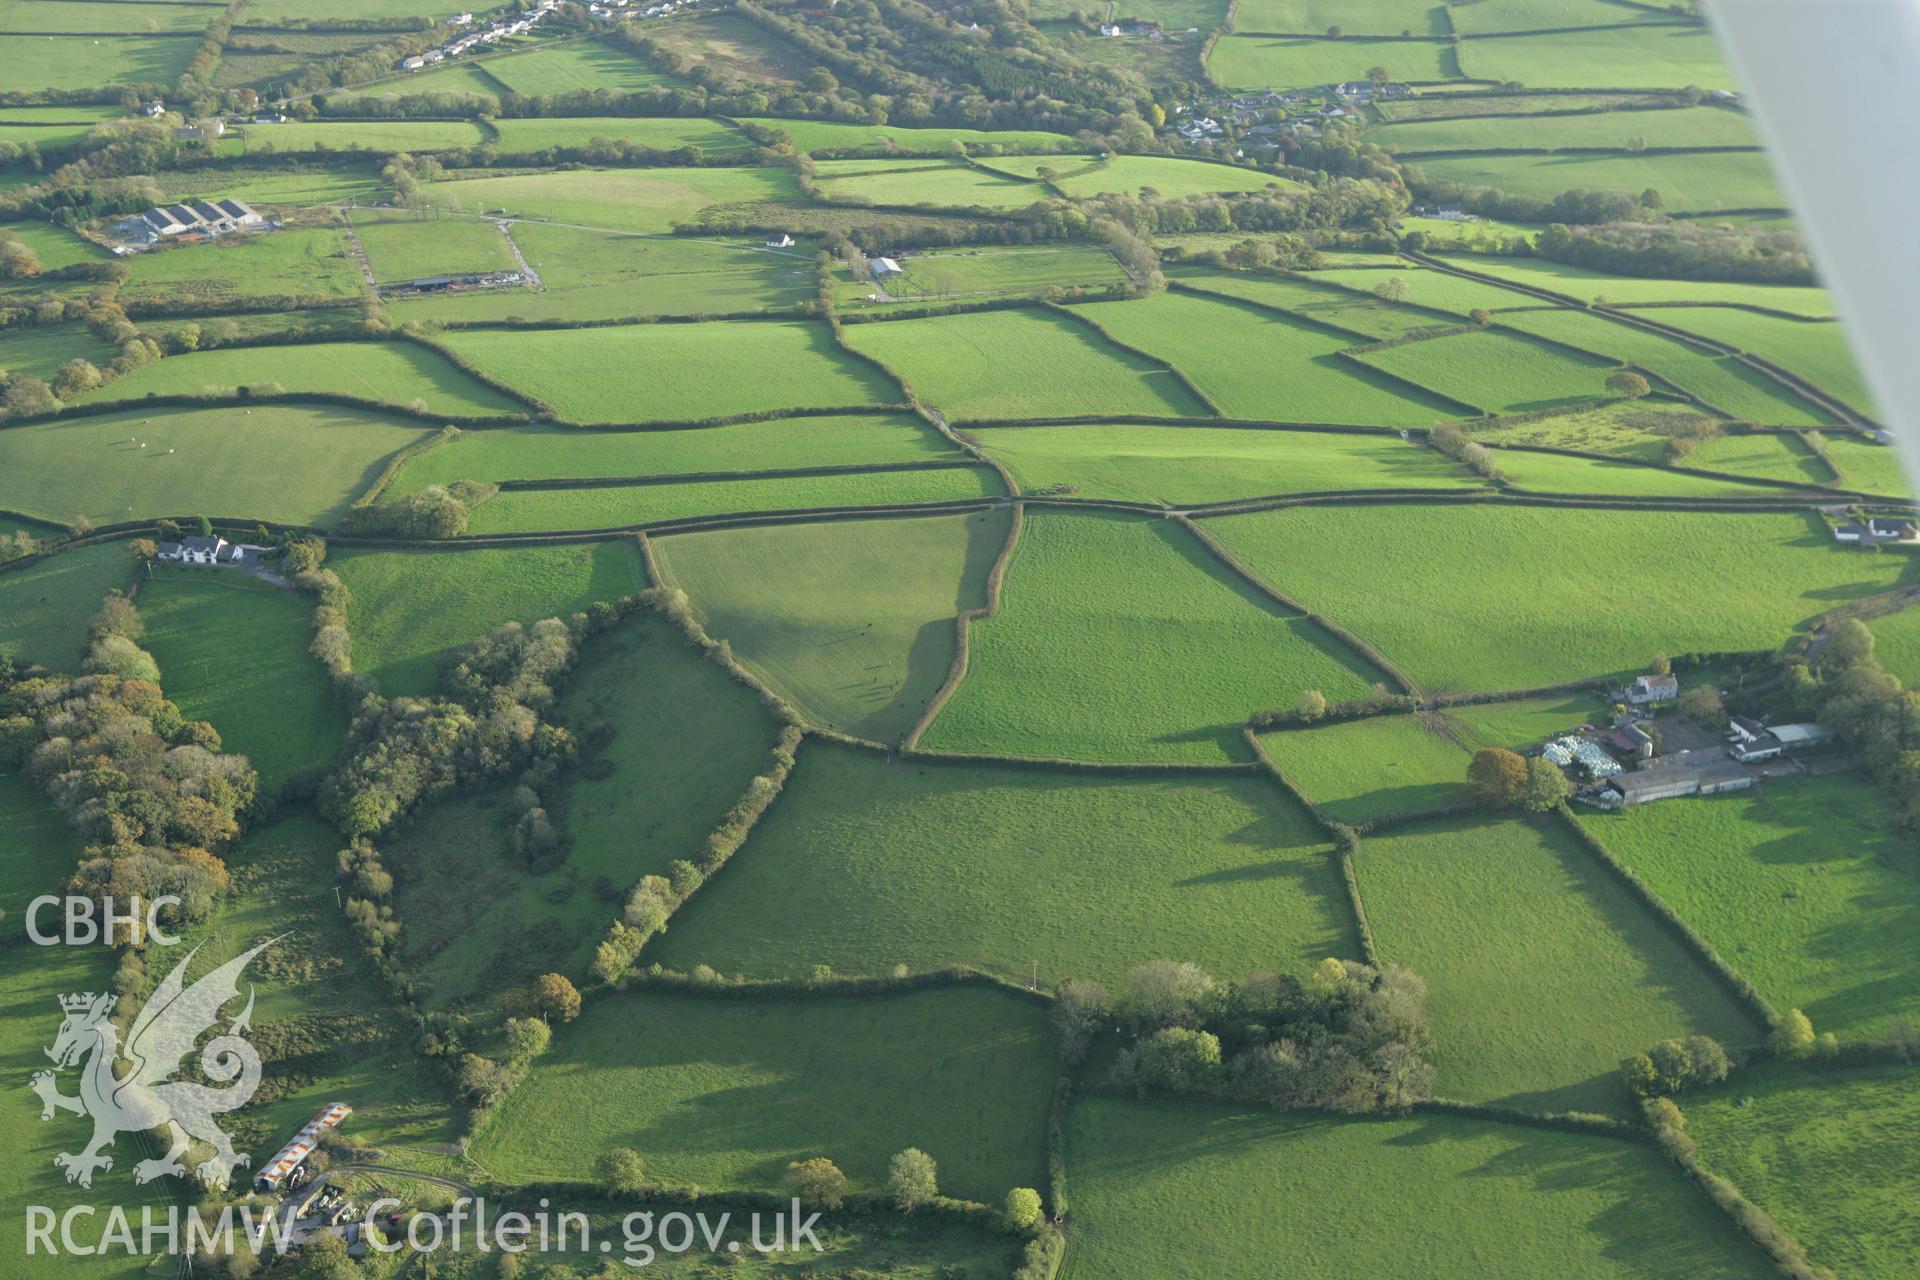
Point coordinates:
[(871, 862), (1496, 370), (278, 263), (1262, 62), (350, 180), (1779, 455), (678, 372), (1542, 971), (263, 12), (1557, 473), (55, 247), (923, 182), (364, 135), (1361, 17), (44, 607), (1591, 286), (1868, 467), (998, 364), (400, 249), (1688, 182), (1121, 638), (1682, 127), (1725, 384), (1677, 582), (1402, 764), (1366, 317), (410, 608), (668, 743), (613, 199), (1897, 642), (1833, 1157), (1536, 15), (270, 700), (826, 135), (617, 506), (1171, 176), (340, 451), (960, 271), (572, 67), (1817, 352), (78, 62), (1191, 465), (461, 79), (724, 1093), (550, 453), (1426, 288), (1804, 888), (659, 134), (851, 621), (1256, 364), (397, 373), (1625, 57), (40, 351), (1166, 1188)]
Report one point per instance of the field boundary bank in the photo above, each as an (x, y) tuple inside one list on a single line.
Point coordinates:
[(962, 624), (1346, 843), (702, 477)]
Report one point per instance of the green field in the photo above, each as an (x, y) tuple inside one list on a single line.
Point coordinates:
[(355, 182), (1871, 468), (397, 373), (1187, 1188), (618, 506), (39, 352), (1559, 473), (1688, 182), (1649, 57), (724, 1093), (233, 651), (964, 271), (1192, 465), (1257, 364), (872, 862), (1685, 127), (1364, 317), (1832, 1156), (1495, 370), (1780, 455), (824, 135), (1481, 16), (277, 264), (678, 372), (461, 79), (1427, 288), (929, 183), (1675, 581), (82, 16), (613, 199), (1359, 17), (1256, 62), (55, 247), (401, 249), (77, 62), (581, 65), (1543, 971), (1592, 286), (1121, 638), (1008, 364), (1172, 178), (44, 606), (1804, 888), (412, 607), (1897, 643), (852, 621), (1403, 764), (1725, 384), (1817, 352), (1638, 430), (215, 467), (553, 453), (656, 134), (364, 135)]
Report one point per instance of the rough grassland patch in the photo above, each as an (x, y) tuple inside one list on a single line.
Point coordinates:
[(1433, 587), (273, 264), (1543, 973), (724, 1093), (1187, 1188), (216, 468), (233, 651), (1803, 887), (852, 620), (871, 862), (678, 372), (1120, 639), (412, 607)]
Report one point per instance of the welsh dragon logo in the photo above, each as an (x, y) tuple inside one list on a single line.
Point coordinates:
[(146, 1097)]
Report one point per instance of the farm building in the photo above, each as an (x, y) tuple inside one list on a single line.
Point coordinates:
[(1651, 690), (883, 267), (781, 241), (1876, 529), (290, 1157), (1633, 740), (1752, 740), (213, 550), (203, 217), (1672, 777), (1794, 737)]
